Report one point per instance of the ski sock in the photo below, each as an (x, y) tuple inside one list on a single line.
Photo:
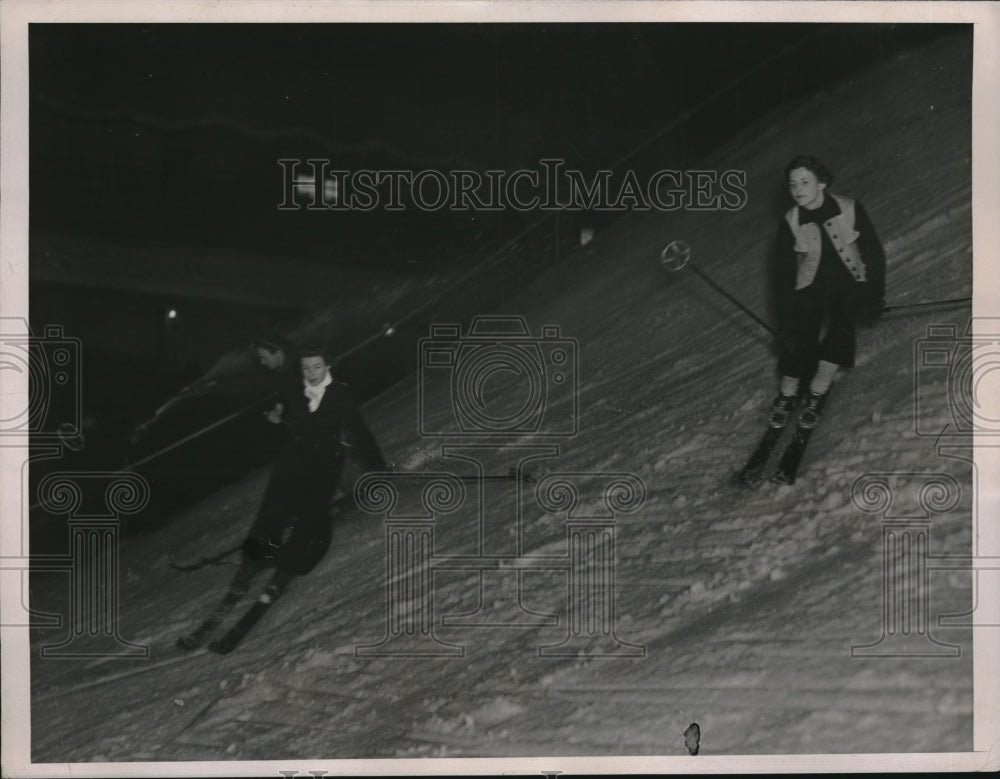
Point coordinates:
[(825, 374), (789, 385), (244, 576), (275, 587)]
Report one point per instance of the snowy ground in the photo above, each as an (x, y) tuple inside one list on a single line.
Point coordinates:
[(746, 603)]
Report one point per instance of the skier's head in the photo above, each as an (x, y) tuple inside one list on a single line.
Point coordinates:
[(271, 352), (811, 163), (807, 178), (315, 363)]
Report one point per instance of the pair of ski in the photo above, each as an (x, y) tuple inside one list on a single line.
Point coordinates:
[(229, 640), (803, 419)]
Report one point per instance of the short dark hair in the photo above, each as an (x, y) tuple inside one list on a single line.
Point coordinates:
[(315, 350), (272, 343), (812, 163)]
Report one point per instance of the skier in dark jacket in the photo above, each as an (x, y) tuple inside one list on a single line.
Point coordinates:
[(293, 527), (279, 372), (277, 366), (830, 267), (308, 468)]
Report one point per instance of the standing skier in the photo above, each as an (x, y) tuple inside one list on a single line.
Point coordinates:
[(829, 270), (829, 266), (293, 528)]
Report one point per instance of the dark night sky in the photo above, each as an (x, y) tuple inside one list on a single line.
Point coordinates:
[(172, 132)]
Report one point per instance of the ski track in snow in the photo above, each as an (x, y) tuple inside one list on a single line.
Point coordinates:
[(747, 602)]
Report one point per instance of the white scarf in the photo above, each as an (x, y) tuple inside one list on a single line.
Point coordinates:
[(315, 392)]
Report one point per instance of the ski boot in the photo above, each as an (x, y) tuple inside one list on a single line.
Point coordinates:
[(781, 410), (811, 412)]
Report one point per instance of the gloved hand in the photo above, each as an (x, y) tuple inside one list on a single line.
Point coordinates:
[(200, 385), (140, 430), (871, 310)]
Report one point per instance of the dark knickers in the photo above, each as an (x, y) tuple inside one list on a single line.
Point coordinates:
[(805, 343)]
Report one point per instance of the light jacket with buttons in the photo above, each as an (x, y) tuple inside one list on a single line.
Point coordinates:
[(809, 243), (799, 250)]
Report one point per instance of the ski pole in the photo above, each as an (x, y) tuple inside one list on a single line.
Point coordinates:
[(198, 565), (951, 302), (732, 299), (195, 434), (677, 255)]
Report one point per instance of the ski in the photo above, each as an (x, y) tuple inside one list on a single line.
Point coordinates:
[(791, 459), (241, 583), (196, 638), (232, 638), (204, 561), (752, 474)]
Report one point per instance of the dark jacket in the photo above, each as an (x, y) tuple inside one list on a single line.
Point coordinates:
[(305, 477), (318, 433)]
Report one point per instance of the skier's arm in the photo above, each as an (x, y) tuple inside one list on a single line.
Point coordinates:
[(199, 387), (784, 271), (872, 252), (361, 434)]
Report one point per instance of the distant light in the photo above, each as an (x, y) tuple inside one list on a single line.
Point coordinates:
[(172, 314), (305, 188), (330, 190)]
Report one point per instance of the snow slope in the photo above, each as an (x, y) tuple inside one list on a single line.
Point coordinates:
[(747, 603)]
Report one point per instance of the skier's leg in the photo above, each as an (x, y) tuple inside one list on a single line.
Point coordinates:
[(276, 586), (826, 372), (265, 535), (232, 638), (839, 344), (313, 528), (244, 575), (353, 469), (790, 386), (311, 537), (799, 340)]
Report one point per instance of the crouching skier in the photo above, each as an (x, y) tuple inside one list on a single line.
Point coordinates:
[(293, 528)]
